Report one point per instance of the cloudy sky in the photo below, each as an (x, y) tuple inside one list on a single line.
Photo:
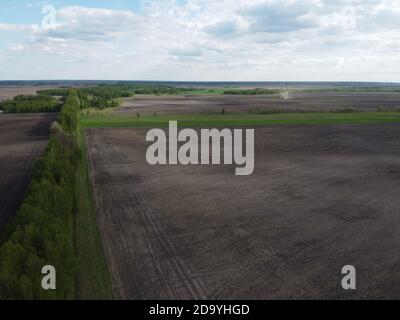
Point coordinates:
[(265, 40)]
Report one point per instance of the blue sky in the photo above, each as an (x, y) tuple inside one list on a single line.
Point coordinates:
[(13, 11), (337, 40)]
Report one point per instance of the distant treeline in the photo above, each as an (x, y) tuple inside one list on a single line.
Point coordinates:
[(256, 91), (119, 91), (61, 92), (108, 92), (164, 90), (42, 232), (94, 97), (89, 100), (30, 103)]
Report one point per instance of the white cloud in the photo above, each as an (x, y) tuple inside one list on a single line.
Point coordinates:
[(16, 47), (91, 24), (18, 27), (280, 16), (186, 52), (222, 40)]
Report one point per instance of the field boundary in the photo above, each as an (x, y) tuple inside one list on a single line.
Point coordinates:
[(303, 118), (93, 280)]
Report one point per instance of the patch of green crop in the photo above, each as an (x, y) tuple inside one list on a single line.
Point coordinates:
[(246, 119)]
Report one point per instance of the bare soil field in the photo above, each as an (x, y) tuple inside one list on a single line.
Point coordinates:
[(297, 101), (22, 140), (320, 197)]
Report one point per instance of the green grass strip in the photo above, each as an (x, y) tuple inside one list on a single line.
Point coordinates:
[(93, 280), (219, 120)]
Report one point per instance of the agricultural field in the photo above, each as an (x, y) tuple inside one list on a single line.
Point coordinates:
[(324, 185), (10, 91), (291, 101), (321, 197), (22, 140)]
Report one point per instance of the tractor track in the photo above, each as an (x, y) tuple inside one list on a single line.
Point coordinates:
[(177, 279)]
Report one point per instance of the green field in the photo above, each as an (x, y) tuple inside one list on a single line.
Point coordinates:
[(219, 120)]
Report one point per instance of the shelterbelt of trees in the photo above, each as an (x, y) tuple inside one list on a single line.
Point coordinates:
[(119, 91), (42, 232), (30, 103), (94, 97), (98, 95)]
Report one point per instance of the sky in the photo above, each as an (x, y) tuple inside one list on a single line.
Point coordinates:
[(201, 40)]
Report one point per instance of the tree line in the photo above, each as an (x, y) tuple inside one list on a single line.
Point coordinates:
[(30, 103), (256, 91), (94, 97), (163, 90), (112, 92), (60, 92), (42, 232)]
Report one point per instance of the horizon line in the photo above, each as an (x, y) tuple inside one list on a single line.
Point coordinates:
[(201, 81)]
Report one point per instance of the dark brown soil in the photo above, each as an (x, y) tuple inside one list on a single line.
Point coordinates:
[(22, 140), (321, 197), (297, 101)]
